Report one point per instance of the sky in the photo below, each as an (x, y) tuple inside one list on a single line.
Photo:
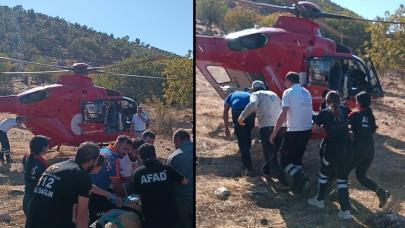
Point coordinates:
[(167, 25), (371, 8)]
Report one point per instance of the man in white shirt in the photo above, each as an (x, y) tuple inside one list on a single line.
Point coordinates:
[(140, 122), (130, 162), (5, 126), (267, 106), (297, 110)]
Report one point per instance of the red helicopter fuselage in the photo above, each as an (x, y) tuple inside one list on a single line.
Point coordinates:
[(69, 112), (293, 44)]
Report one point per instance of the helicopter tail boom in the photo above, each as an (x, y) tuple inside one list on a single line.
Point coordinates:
[(8, 104)]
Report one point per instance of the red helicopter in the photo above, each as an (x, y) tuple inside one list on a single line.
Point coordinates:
[(293, 44), (73, 110)]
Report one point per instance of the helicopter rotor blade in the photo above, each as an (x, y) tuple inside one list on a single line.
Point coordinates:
[(332, 30), (129, 63), (36, 72), (131, 75), (337, 16), (33, 63), (289, 9)]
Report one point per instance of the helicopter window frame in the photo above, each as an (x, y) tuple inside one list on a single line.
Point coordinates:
[(224, 73), (93, 111), (319, 77), (34, 96)]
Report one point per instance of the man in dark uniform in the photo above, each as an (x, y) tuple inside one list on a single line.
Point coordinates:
[(238, 101), (34, 165), (364, 126), (154, 182), (60, 187)]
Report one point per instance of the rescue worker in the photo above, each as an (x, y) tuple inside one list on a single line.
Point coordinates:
[(5, 126), (105, 200), (267, 106), (297, 110), (34, 165), (334, 120), (363, 126), (182, 160), (237, 101), (154, 182), (109, 177), (149, 137), (130, 162), (60, 187)]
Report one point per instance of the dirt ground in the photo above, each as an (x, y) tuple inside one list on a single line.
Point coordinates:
[(258, 202)]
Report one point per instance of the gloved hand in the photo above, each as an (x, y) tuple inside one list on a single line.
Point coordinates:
[(114, 199)]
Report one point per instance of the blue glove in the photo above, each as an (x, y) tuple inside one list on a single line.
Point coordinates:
[(111, 197)]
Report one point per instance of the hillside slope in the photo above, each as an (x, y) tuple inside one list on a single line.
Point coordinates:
[(27, 35)]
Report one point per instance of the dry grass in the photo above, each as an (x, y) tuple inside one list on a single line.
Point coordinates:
[(166, 119), (257, 202)]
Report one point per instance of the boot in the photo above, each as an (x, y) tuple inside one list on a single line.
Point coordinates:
[(301, 183), (8, 159), (383, 196), (282, 178), (2, 157)]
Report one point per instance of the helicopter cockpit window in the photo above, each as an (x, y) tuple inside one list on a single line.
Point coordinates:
[(34, 96), (219, 74), (93, 112), (253, 41)]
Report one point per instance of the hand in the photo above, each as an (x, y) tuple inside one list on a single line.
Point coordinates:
[(114, 199), (227, 132), (119, 202), (241, 121), (316, 128), (272, 137)]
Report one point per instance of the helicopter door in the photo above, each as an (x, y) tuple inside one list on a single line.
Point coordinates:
[(376, 89), (127, 109), (224, 80), (92, 117)]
